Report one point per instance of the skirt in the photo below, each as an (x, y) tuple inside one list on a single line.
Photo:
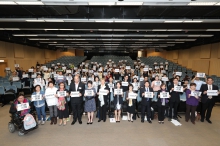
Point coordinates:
[(90, 105), (131, 109), (118, 106), (63, 113)]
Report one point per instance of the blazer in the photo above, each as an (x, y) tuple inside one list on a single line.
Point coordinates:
[(81, 89), (105, 96), (159, 99), (144, 100), (204, 97), (174, 96)]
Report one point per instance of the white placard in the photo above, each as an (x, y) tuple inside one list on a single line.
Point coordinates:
[(83, 79), (7, 68), (149, 95), (111, 85), (196, 93), (142, 64), (58, 63), (74, 94), (22, 106), (91, 71), (61, 93), (118, 91), (94, 67), (150, 68), (135, 85), (25, 76), (75, 68), (157, 83), (112, 120), (45, 69), (36, 97), (85, 70), (52, 64), (141, 79), (156, 67), (55, 75), (16, 65), (128, 67), (212, 92), (68, 71), (164, 94), (89, 92), (64, 68), (116, 70), (60, 77), (200, 75), (49, 95), (33, 76), (105, 73), (165, 79), (124, 83), (178, 73), (30, 70), (145, 69), (15, 78), (161, 66), (103, 92), (178, 88), (132, 95)]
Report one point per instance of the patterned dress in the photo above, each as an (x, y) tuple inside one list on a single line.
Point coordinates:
[(90, 105)]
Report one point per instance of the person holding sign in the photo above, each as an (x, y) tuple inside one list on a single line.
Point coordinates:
[(90, 105), (39, 81), (39, 103), (118, 100), (60, 78), (174, 100), (19, 101), (192, 102), (198, 82), (146, 102), (62, 106), (125, 84), (76, 102), (103, 99), (69, 79), (131, 103), (162, 103), (208, 101), (52, 101)]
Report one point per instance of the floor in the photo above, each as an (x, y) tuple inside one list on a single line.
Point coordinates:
[(115, 134)]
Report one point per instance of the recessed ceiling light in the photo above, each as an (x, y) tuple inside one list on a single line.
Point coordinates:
[(102, 3), (173, 21), (196, 21), (29, 3), (202, 3), (7, 3), (123, 21), (129, 3), (34, 20), (108, 21)]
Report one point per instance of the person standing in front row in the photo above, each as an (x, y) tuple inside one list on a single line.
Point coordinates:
[(207, 101), (103, 100), (118, 100), (146, 102), (131, 103), (76, 102), (174, 100)]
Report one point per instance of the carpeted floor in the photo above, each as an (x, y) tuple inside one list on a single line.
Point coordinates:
[(115, 134)]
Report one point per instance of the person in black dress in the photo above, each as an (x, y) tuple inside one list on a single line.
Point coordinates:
[(118, 100)]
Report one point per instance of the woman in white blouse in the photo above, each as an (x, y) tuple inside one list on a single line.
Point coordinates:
[(52, 101), (39, 81)]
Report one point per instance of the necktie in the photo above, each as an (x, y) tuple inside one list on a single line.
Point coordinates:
[(210, 97)]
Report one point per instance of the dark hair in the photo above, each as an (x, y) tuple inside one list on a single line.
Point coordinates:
[(96, 77), (50, 82), (36, 87), (20, 94), (60, 84), (135, 78), (175, 79), (130, 85), (162, 85), (89, 82), (118, 83), (192, 84), (146, 82), (209, 78)]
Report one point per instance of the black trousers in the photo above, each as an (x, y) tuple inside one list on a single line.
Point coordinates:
[(102, 112), (143, 109), (192, 109), (207, 109), (161, 112), (77, 111), (173, 105)]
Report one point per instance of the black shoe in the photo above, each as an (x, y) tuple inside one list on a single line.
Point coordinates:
[(128, 120), (149, 121), (202, 120), (88, 123), (99, 120), (104, 120), (73, 122), (80, 122), (142, 121), (91, 122), (210, 122)]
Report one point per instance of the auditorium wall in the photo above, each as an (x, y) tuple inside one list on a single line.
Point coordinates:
[(27, 56), (151, 52), (205, 58)]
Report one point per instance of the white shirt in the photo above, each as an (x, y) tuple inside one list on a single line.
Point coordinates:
[(209, 87), (198, 84), (51, 101), (76, 86)]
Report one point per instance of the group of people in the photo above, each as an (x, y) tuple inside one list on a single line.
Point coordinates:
[(97, 86)]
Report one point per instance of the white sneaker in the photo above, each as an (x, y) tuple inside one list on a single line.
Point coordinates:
[(67, 119), (43, 122), (39, 122)]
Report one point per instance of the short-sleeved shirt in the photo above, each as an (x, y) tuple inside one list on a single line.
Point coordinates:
[(199, 84)]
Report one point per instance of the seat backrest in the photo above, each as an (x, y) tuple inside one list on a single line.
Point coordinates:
[(17, 84), (5, 84), (2, 90)]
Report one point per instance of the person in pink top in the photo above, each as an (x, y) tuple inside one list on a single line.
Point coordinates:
[(156, 87)]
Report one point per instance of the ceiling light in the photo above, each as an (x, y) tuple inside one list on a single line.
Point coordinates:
[(213, 30), (7, 3), (50, 29), (129, 3), (66, 29), (159, 30), (12, 29), (108, 21), (123, 21), (173, 21), (30, 3), (55, 20), (196, 21), (206, 35), (102, 3), (217, 4), (174, 29), (202, 3), (34, 20)]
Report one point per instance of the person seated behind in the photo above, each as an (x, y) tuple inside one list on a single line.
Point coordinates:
[(21, 99)]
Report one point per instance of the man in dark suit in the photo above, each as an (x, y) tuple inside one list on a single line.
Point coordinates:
[(103, 100), (142, 83), (146, 102), (207, 101), (174, 100), (76, 102)]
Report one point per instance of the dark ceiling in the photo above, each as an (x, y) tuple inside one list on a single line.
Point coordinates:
[(115, 36)]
